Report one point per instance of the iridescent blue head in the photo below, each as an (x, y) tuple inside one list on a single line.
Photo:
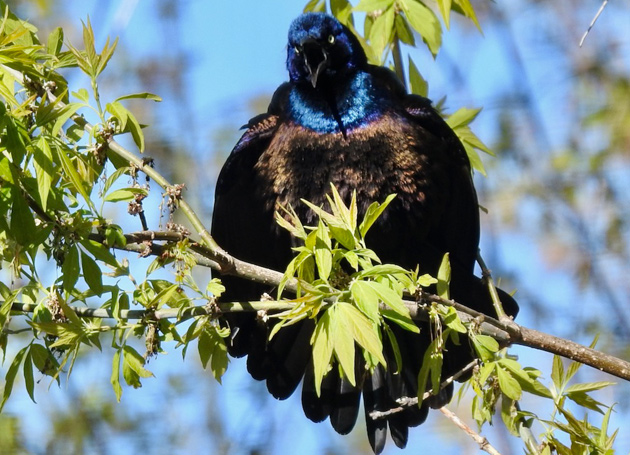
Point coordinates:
[(321, 48)]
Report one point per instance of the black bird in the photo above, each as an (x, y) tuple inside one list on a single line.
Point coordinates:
[(342, 120)]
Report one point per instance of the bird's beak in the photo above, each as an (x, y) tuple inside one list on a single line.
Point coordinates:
[(315, 59)]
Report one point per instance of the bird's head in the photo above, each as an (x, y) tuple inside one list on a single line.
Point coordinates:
[(320, 47)]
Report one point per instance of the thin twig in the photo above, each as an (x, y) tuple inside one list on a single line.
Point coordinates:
[(483, 442), (407, 402), (487, 277), (214, 309), (398, 62), (599, 12)]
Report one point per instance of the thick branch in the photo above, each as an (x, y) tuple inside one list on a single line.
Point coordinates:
[(203, 255)]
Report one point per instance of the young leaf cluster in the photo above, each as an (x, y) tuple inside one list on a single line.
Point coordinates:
[(502, 381), (57, 175), (343, 286)]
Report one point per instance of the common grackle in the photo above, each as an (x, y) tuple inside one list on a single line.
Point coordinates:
[(342, 120)]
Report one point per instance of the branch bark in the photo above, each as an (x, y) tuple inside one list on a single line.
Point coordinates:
[(483, 442)]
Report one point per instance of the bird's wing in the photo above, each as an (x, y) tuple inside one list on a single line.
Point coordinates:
[(240, 224), (243, 224)]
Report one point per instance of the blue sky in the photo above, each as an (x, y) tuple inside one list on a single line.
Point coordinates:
[(239, 52)]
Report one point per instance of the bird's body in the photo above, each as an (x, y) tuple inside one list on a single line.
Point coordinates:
[(342, 121)]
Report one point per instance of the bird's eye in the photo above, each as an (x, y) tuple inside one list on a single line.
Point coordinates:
[(331, 39), (297, 50)]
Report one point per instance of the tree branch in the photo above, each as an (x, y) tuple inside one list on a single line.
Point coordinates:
[(506, 333), (483, 442)]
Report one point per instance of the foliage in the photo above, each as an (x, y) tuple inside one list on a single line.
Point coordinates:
[(60, 175), (53, 194), (339, 277)]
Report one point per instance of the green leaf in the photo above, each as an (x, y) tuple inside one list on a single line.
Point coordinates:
[(136, 131), (215, 287), (342, 10), (462, 117), (363, 331), (114, 236), (459, 122), (395, 349), (403, 31), (528, 383), (404, 321), (316, 6), (323, 255), (485, 346), (133, 367), (82, 95), (100, 252), (424, 21), (341, 333), (557, 372), (431, 367), (44, 170), (90, 50), (119, 303), (584, 400), (603, 435), (366, 298), (444, 277), (445, 10), (115, 377), (5, 309), (588, 386), (62, 116), (70, 269), (106, 55), (486, 370), (55, 41), (124, 194), (9, 379), (92, 274), (120, 112), (381, 270), (22, 222), (142, 95), (322, 350), (43, 360), (370, 6), (381, 31), (372, 213), (426, 280), (452, 320), (113, 177), (389, 297), (418, 84), (212, 348), (29, 382), (71, 174), (465, 7), (508, 384)]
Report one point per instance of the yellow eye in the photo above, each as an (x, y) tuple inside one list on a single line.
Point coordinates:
[(331, 39)]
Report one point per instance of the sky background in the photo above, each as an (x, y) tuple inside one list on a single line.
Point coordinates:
[(236, 52)]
